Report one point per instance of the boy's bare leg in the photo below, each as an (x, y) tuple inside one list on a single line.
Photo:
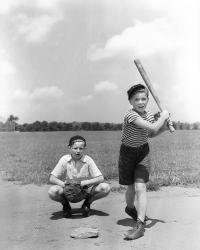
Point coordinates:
[(130, 196), (97, 193), (102, 190), (56, 194), (141, 197)]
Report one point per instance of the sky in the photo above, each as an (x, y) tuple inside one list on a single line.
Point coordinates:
[(73, 60)]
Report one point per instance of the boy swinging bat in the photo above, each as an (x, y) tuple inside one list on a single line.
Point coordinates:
[(134, 158)]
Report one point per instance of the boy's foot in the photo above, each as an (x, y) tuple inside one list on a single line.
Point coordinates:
[(136, 232), (132, 212), (86, 208), (67, 210)]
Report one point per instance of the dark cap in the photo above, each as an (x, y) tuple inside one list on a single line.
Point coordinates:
[(76, 138), (135, 88)]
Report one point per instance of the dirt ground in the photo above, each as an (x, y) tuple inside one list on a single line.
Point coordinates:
[(31, 221)]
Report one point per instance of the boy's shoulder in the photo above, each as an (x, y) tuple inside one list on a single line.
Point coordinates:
[(86, 158), (66, 157), (131, 112)]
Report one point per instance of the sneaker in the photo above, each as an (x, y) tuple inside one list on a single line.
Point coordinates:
[(136, 232), (67, 210), (86, 208), (132, 212)]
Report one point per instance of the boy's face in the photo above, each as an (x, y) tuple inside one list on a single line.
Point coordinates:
[(139, 101), (77, 150)]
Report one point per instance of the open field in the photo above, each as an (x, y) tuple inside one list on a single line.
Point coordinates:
[(30, 157)]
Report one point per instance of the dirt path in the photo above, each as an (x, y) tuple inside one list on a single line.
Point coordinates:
[(30, 221)]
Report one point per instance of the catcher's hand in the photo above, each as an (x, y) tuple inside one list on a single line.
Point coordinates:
[(73, 191)]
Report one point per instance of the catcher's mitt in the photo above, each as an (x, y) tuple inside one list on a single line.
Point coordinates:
[(73, 191)]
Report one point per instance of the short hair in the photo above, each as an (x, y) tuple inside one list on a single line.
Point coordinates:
[(76, 138), (135, 89)]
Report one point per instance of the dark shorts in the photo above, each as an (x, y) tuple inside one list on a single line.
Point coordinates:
[(134, 164)]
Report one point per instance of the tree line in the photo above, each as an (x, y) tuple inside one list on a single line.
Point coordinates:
[(89, 126), (12, 125), (63, 126)]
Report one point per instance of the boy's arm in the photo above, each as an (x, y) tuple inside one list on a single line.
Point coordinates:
[(57, 173), (56, 181), (152, 127), (92, 181), (160, 131), (96, 177)]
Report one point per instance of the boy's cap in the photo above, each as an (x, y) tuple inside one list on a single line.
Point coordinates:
[(76, 138), (135, 88)]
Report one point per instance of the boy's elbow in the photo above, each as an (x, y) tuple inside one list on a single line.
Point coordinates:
[(51, 178), (101, 178), (154, 130), (150, 133)]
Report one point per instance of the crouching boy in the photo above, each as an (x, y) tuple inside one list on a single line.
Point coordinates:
[(77, 166)]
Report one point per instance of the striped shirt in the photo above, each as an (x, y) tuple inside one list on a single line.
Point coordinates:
[(132, 135)]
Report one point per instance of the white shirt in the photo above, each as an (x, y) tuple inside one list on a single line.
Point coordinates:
[(84, 168)]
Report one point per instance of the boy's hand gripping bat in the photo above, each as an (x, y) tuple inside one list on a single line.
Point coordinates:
[(150, 87)]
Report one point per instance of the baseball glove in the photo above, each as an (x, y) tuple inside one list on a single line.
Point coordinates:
[(73, 191)]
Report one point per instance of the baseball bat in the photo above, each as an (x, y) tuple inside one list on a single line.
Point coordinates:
[(151, 89)]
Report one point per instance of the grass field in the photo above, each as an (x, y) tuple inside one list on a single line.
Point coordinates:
[(30, 157)]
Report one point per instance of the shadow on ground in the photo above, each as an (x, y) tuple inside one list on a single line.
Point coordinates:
[(128, 222), (77, 214)]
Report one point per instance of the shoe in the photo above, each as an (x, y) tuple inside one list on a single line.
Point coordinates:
[(132, 212), (137, 231), (67, 210), (86, 208)]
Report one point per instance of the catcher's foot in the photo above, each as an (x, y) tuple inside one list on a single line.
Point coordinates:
[(67, 210), (132, 212), (86, 208), (136, 232)]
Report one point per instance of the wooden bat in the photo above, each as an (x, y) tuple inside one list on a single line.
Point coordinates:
[(151, 89)]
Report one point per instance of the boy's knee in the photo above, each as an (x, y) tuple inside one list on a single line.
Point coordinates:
[(140, 187), (104, 188), (54, 191)]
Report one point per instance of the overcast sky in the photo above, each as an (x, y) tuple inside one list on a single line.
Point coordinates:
[(72, 60)]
